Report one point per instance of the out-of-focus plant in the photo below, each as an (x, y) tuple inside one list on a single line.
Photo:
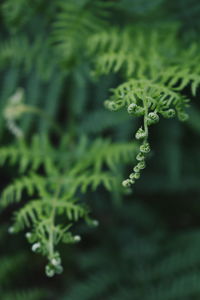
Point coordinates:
[(66, 57)]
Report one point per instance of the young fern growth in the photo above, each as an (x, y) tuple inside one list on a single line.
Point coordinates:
[(149, 100), (54, 180), (156, 70)]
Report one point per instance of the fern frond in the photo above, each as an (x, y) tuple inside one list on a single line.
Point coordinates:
[(74, 23), (29, 157), (28, 56), (93, 180), (125, 50), (29, 184), (65, 176), (28, 215), (158, 97), (15, 49), (109, 154), (72, 208), (180, 77), (112, 52), (149, 99)]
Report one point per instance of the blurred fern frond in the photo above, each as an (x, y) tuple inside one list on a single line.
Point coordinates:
[(53, 186), (124, 50), (30, 157), (155, 79), (74, 22)]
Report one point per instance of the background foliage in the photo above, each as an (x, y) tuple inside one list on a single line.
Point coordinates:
[(57, 65)]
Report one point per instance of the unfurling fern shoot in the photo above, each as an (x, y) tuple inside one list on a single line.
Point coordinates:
[(149, 100), (55, 199)]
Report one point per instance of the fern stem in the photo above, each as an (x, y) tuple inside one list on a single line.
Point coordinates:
[(52, 222), (145, 120)]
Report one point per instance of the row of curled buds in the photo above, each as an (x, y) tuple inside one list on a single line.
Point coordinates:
[(168, 114), (137, 111), (13, 111), (171, 113), (141, 164)]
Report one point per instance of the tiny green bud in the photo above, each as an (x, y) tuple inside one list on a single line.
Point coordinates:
[(131, 176), (137, 175), (126, 183), (140, 156), (28, 235), (152, 118), (170, 113), (58, 269), (56, 260), (135, 110), (131, 108), (11, 230), (141, 165), (95, 223), (140, 134), (77, 238), (35, 247), (145, 148), (111, 105), (132, 181), (49, 270), (136, 169)]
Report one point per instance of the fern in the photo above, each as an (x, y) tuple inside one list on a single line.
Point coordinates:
[(19, 51), (51, 57), (30, 158), (157, 78), (117, 50), (74, 23), (55, 192), (13, 192), (148, 99)]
